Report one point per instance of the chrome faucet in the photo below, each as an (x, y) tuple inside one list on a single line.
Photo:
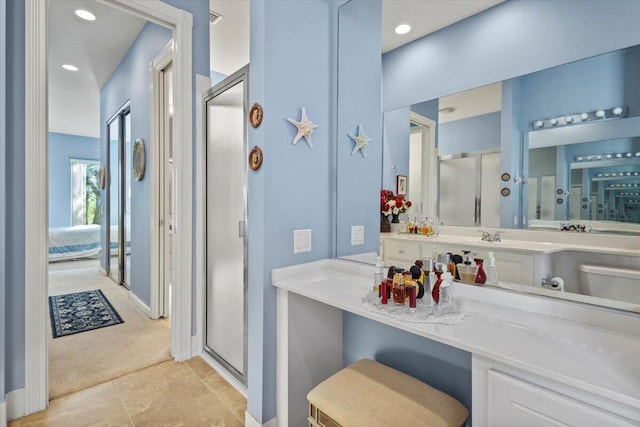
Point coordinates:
[(488, 237)]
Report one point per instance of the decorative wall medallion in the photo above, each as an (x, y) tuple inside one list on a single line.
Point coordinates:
[(505, 176), (305, 128), (361, 141), (584, 206), (559, 200), (255, 158), (138, 159), (255, 115), (103, 178), (559, 191), (585, 200), (505, 191)]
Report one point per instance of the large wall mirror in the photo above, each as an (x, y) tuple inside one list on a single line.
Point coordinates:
[(563, 182), (558, 128)]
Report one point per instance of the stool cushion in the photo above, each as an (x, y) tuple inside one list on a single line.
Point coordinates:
[(368, 393)]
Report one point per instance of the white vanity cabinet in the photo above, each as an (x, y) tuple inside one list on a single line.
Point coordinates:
[(507, 396), (512, 265)]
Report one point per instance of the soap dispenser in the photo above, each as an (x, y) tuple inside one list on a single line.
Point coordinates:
[(492, 273), (481, 276)]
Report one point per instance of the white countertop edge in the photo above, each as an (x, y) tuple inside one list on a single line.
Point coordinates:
[(288, 278)]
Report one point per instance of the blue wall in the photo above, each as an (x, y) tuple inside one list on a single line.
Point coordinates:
[(469, 135), (63, 147), (131, 81), (359, 103), (295, 187), (396, 147)]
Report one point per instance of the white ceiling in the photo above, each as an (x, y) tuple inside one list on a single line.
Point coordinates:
[(229, 37), (96, 48), (471, 103), (425, 16)]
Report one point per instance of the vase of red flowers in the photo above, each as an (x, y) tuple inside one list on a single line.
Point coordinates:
[(391, 204)]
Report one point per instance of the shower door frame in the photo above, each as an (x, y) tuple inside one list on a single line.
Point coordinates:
[(239, 77)]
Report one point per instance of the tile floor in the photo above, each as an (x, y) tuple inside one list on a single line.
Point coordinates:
[(167, 394)]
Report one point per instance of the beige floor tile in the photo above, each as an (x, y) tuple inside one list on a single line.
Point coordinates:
[(236, 402), (200, 367), (171, 394), (96, 406)]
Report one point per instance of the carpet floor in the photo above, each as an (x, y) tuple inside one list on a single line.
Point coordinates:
[(83, 360)]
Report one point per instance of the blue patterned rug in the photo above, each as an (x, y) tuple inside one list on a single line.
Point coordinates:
[(80, 312)]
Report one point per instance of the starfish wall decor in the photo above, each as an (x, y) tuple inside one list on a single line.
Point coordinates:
[(305, 128), (361, 140)]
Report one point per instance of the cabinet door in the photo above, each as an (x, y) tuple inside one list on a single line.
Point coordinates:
[(401, 251), (514, 402)]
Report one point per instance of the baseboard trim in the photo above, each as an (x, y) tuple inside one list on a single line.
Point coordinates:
[(249, 421), (140, 304), (102, 271), (15, 404)]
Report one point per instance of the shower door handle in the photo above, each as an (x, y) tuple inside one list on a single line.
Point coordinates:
[(241, 229)]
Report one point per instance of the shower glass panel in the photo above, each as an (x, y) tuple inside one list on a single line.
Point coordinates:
[(458, 184), (225, 224), (114, 199)]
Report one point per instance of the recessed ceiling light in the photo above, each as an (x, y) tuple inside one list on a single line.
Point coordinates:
[(403, 29), (86, 15), (70, 67)]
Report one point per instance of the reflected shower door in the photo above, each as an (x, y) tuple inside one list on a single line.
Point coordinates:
[(225, 224), (113, 232)]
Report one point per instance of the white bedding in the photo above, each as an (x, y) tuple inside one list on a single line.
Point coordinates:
[(79, 241)]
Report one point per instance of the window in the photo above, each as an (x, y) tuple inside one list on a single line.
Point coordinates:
[(85, 192)]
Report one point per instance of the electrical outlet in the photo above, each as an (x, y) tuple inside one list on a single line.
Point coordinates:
[(357, 235), (301, 241)]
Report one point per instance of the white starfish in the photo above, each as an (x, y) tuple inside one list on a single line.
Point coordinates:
[(360, 141), (305, 128)]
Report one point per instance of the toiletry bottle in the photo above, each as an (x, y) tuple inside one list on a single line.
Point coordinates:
[(435, 292), (424, 229), (432, 281), (492, 273), (409, 226), (384, 292), (398, 290), (481, 276), (379, 274), (457, 259), (412, 290), (445, 302)]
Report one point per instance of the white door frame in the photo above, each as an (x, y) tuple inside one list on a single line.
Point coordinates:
[(158, 294), (429, 162), (36, 188)]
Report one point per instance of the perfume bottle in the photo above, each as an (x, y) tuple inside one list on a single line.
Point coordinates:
[(435, 292), (399, 294), (445, 303), (481, 276), (411, 290)]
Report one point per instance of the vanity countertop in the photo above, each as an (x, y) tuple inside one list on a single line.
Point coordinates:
[(602, 359), (531, 242)]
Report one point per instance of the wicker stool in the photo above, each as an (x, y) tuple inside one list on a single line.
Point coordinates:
[(369, 394)]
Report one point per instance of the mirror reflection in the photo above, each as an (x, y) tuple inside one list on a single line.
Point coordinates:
[(450, 150)]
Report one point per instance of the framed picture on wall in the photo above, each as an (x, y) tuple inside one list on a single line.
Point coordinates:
[(401, 185)]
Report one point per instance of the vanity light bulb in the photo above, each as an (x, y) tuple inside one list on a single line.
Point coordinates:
[(599, 157), (638, 154), (629, 154), (617, 111), (614, 174), (599, 175), (618, 156), (579, 159), (635, 173), (606, 174), (539, 124), (628, 173), (589, 157), (568, 119), (553, 122), (608, 156), (584, 117), (600, 114)]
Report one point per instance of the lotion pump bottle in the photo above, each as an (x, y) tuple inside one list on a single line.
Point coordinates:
[(379, 273)]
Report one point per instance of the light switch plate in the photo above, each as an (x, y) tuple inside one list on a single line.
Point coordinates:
[(301, 241), (357, 235)]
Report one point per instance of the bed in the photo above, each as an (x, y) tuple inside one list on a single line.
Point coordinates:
[(80, 241)]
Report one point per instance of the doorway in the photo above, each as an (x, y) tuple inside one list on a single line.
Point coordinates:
[(225, 337), (36, 112), (422, 163)]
